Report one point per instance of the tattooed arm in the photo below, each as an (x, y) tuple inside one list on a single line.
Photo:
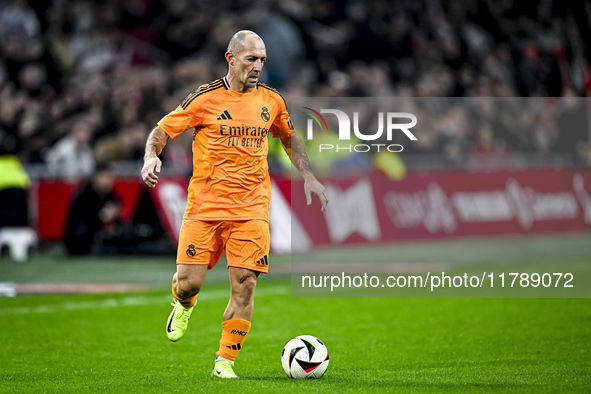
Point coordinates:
[(297, 154), (152, 164)]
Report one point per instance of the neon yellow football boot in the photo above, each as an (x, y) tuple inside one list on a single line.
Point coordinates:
[(178, 321), (223, 369)]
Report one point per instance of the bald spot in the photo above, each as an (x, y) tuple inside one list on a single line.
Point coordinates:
[(238, 43)]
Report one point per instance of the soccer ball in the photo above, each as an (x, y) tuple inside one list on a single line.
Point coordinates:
[(304, 357)]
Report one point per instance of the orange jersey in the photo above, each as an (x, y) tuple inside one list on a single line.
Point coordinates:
[(230, 172)]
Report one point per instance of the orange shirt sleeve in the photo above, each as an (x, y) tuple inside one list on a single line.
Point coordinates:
[(184, 117), (282, 126)]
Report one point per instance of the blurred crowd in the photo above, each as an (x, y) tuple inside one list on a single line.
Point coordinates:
[(83, 81)]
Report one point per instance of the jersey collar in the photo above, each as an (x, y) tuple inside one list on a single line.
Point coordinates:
[(227, 85)]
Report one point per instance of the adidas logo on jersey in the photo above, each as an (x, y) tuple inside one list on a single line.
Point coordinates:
[(225, 116)]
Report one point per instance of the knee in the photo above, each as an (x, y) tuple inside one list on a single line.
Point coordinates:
[(187, 286), (244, 293), (248, 283)]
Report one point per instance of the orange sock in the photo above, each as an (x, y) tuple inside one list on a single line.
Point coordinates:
[(186, 302), (234, 332)]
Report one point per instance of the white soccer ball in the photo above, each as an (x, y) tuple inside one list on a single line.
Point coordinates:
[(305, 357)]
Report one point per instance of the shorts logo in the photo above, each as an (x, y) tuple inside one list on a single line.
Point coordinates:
[(191, 252), (265, 115), (263, 261)]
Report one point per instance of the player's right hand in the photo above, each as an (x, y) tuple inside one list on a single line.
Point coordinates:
[(151, 170), (313, 187)]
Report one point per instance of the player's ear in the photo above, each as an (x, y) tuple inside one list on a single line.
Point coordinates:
[(230, 58)]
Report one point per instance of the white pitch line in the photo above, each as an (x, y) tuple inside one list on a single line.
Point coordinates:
[(131, 301)]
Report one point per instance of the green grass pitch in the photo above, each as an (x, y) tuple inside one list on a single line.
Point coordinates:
[(117, 342)]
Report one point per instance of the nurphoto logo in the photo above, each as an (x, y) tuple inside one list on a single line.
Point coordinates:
[(392, 120)]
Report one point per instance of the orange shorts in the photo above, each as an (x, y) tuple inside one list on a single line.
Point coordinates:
[(246, 243)]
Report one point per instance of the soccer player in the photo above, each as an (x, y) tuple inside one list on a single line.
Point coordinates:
[(230, 190)]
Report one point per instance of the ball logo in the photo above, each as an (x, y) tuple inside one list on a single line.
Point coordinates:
[(265, 115), (191, 252)]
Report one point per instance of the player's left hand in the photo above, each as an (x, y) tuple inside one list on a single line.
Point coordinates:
[(150, 171), (313, 187)]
